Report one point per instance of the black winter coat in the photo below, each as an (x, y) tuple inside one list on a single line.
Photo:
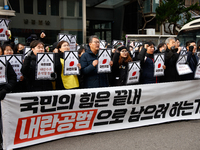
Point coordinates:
[(29, 72), (119, 72), (11, 78), (58, 70), (171, 73), (147, 65)]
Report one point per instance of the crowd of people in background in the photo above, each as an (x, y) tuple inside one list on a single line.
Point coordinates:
[(88, 61)]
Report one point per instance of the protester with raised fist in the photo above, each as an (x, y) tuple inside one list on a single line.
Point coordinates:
[(192, 60), (146, 57), (171, 57), (120, 66)]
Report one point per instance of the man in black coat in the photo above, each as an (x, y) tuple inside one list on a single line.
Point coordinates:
[(192, 60), (171, 57)]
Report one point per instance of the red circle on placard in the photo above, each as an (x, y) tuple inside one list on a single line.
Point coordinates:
[(159, 65), (71, 63), (1, 30), (134, 73), (104, 61)]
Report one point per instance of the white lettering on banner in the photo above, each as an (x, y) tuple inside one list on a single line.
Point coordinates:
[(40, 116), (52, 124), (34, 126), (22, 135)]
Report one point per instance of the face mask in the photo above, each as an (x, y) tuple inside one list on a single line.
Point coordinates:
[(173, 47), (163, 50)]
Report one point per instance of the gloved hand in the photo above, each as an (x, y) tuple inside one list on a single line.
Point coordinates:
[(191, 48), (2, 94)]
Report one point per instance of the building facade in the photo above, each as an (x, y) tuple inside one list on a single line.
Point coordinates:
[(108, 19)]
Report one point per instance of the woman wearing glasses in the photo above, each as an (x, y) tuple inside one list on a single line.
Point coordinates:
[(7, 49), (29, 69), (120, 65)]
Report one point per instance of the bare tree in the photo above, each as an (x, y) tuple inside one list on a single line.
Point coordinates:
[(141, 5)]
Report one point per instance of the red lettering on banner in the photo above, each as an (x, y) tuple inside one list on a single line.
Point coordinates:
[(41, 126)]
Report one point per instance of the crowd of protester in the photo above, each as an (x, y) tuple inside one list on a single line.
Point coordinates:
[(88, 61)]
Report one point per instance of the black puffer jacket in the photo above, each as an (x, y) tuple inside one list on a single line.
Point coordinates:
[(29, 72), (119, 72), (171, 74), (11, 78)]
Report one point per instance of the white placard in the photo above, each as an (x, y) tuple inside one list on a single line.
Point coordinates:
[(138, 44), (3, 28), (183, 51), (73, 43), (16, 62), (181, 66), (117, 42), (104, 58), (132, 44), (3, 75), (70, 63), (27, 49), (102, 44), (133, 72), (78, 47), (71, 39), (198, 54), (45, 66), (197, 72), (182, 59), (159, 60)]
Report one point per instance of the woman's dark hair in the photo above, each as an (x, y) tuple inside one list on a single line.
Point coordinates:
[(124, 60), (35, 43), (60, 44), (80, 50), (17, 47), (160, 45), (4, 47)]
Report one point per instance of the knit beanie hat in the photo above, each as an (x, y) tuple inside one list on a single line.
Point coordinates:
[(122, 47)]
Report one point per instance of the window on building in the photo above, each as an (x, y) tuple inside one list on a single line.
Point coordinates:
[(71, 8), (80, 9), (41, 7), (55, 7), (155, 5), (28, 6), (147, 6), (15, 5)]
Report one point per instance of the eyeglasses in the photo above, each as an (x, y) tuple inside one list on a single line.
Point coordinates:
[(96, 42), (8, 50), (124, 51), (40, 47)]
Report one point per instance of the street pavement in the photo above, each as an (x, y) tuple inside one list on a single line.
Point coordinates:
[(180, 135)]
